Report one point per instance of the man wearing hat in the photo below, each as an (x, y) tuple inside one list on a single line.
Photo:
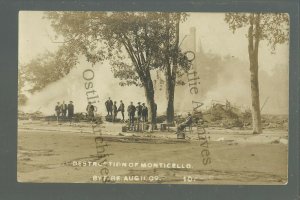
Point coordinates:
[(144, 113), (115, 111), (139, 110), (64, 108), (109, 106), (131, 112), (122, 109)]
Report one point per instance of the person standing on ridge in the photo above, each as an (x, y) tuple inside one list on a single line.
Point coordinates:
[(109, 106), (122, 109)]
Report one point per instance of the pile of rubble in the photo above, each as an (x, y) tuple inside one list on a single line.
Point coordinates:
[(109, 118), (229, 117), (225, 116), (78, 117), (275, 121), (30, 116)]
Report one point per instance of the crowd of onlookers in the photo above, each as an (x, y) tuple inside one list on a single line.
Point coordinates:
[(141, 110), (64, 110), (138, 112)]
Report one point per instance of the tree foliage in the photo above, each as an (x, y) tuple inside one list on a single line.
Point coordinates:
[(21, 85), (272, 27), (133, 41), (48, 68)]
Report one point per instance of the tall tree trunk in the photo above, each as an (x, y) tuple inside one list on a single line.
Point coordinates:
[(171, 69), (253, 58), (256, 116), (149, 93), (170, 97), (145, 78)]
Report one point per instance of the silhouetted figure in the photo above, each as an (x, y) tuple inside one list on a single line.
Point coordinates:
[(188, 122), (144, 113), (122, 109), (131, 112), (115, 111), (70, 111), (90, 111), (109, 106), (57, 110), (64, 108), (139, 111)]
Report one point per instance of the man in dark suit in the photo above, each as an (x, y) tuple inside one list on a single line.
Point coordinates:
[(57, 110), (109, 106), (64, 108), (144, 113), (122, 109), (115, 111), (131, 112), (70, 111), (139, 110)]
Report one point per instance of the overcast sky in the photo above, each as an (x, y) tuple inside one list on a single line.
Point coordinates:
[(36, 36)]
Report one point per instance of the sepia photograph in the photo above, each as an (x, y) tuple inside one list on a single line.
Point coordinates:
[(153, 97)]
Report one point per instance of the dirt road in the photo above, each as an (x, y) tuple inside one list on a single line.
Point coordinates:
[(237, 157)]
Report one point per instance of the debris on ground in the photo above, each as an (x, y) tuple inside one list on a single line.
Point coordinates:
[(219, 115), (78, 117), (30, 116), (275, 141), (109, 118)]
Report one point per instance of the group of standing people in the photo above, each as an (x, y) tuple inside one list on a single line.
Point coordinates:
[(67, 111), (113, 109), (64, 110), (140, 109)]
